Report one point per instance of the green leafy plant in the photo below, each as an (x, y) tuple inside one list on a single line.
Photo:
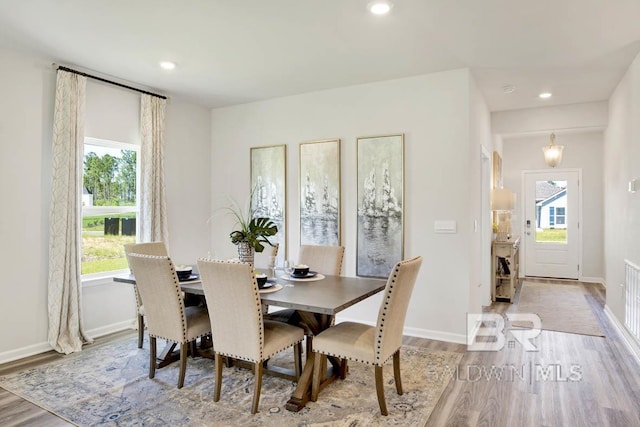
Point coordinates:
[(254, 231)]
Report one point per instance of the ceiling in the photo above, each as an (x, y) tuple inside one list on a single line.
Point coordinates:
[(231, 52)]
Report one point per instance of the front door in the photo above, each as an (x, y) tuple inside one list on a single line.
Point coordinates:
[(551, 223)]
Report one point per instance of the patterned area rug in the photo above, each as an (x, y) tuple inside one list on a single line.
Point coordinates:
[(109, 386), (562, 307)]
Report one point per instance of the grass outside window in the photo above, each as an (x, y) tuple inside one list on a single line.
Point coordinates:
[(556, 235)]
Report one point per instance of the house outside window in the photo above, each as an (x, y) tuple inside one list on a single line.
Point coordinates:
[(109, 205)]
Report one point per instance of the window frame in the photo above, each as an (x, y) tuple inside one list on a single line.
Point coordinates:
[(97, 210)]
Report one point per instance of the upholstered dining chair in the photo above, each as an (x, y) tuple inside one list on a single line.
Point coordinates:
[(237, 325), (373, 345), (323, 259), (262, 259), (152, 248), (166, 315)]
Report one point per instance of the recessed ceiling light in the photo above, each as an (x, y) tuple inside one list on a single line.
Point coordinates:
[(168, 65), (508, 88), (545, 95), (380, 7)]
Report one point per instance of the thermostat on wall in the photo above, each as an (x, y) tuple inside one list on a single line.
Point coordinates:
[(634, 185)]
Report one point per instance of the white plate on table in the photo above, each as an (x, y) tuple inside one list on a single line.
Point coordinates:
[(274, 287), (312, 278)]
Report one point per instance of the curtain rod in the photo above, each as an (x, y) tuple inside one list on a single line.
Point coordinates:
[(60, 67)]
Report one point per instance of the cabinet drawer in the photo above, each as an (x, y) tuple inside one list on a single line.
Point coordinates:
[(503, 251)]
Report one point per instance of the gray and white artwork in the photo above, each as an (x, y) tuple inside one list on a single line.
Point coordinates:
[(268, 172), (380, 202), (320, 193)]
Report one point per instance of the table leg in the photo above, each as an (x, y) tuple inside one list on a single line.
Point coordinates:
[(316, 323)]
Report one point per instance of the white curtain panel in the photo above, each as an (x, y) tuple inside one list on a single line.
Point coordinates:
[(153, 205), (66, 334)]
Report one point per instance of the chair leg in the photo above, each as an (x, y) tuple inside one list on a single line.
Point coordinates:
[(344, 367), (219, 363), (152, 357), (257, 386), (316, 380), (396, 371), (380, 390), (140, 330), (184, 350), (297, 356)]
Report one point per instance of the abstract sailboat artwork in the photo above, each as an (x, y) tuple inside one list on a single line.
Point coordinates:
[(320, 193), (268, 173), (380, 204)]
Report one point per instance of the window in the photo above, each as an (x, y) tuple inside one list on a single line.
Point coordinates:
[(551, 217), (109, 204), (560, 216)]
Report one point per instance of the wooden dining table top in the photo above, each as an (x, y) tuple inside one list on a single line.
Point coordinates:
[(327, 296)]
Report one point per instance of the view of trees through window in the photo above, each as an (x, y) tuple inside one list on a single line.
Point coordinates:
[(108, 204)]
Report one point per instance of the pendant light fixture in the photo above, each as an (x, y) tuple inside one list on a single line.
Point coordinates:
[(553, 152)]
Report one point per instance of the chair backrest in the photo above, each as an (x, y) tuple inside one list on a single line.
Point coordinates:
[(233, 300), (157, 283), (323, 259), (152, 248), (261, 259), (393, 308)]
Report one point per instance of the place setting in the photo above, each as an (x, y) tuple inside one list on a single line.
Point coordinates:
[(267, 285), (300, 273)]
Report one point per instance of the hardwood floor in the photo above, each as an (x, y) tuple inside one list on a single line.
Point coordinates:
[(535, 389)]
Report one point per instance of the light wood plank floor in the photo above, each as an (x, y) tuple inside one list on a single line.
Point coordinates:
[(607, 392)]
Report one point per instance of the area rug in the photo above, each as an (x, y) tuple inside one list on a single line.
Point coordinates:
[(563, 307), (109, 386)]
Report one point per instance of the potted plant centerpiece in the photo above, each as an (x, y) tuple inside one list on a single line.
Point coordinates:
[(252, 231)]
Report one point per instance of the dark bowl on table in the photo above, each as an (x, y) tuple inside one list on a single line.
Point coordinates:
[(262, 280), (184, 274), (301, 271)]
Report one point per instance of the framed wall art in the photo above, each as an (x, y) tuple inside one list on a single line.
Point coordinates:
[(380, 204), (268, 176), (320, 192)]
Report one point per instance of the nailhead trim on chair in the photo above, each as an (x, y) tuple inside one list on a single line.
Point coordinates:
[(263, 357)]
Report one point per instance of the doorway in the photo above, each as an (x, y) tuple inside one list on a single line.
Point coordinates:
[(551, 223)]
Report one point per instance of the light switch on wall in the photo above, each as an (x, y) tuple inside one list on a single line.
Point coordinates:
[(445, 226)]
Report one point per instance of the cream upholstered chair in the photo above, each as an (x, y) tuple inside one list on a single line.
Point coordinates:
[(262, 259), (237, 325), (165, 312), (152, 248), (373, 345), (323, 259)]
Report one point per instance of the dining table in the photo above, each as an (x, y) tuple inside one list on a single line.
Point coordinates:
[(317, 301)]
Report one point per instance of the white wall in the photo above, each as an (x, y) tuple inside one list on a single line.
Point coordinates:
[(433, 111), (585, 116), (27, 85), (480, 137), (581, 150), (621, 164)]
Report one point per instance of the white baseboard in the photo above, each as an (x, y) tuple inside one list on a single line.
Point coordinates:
[(110, 329), (31, 350), (599, 280), (631, 342), (418, 332), (20, 353)]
